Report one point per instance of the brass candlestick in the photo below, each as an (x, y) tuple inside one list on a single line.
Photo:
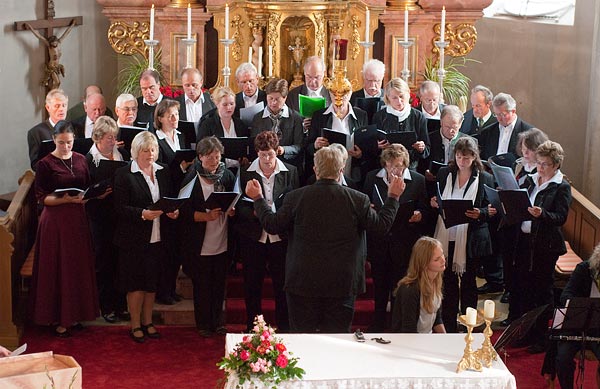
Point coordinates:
[(470, 359), (486, 353)]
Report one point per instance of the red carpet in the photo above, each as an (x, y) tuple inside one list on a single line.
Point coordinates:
[(182, 359)]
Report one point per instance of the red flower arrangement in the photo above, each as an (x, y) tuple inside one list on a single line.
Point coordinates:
[(261, 355), (167, 91), (414, 100)]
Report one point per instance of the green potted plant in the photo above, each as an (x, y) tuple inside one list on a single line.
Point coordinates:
[(456, 85)]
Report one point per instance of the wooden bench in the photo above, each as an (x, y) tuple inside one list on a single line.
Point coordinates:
[(565, 265), (27, 269)]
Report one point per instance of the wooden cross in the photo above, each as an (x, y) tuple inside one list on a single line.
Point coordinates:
[(54, 69)]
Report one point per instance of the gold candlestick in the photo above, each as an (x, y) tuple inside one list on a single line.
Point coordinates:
[(487, 354), (470, 359)]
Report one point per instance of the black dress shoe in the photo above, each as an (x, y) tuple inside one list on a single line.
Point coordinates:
[(110, 318), (205, 333), (222, 330), (124, 316), (490, 288), (505, 298), (78, 326)]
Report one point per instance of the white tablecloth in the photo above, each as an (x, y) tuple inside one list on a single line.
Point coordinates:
[(410, 361)]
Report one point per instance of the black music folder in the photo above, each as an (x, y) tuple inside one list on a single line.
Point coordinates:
[(187, 155), (405, 138), (514, 205), (370, 105), (189, 133), (46, 147), (82, 145), (107, 168), (366, 138), (168, 204), (236, 148), (334, 136), (435, 166), (127, 133), (223, 200), (433, 124), (453, 210)]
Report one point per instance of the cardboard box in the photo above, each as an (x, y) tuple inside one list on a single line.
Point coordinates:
[(40, 370)]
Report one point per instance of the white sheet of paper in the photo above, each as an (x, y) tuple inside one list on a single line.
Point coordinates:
[(247, 114), (19, 351)]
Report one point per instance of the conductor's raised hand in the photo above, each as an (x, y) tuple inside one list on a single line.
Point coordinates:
[(253, 189), (396, 187)]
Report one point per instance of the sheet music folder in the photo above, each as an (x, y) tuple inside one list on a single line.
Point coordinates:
[(514, 205), (405, 138), (168, 204), (453, 210), (334, 136), (581, 314), (223, 200), (236, 148)]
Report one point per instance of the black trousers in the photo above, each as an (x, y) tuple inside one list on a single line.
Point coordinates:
[(258, 259), (208, 280), (320, 314), (493, 264), (460, 292), (565, 365)]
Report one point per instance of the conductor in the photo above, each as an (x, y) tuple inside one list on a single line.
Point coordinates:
[(325, 262)]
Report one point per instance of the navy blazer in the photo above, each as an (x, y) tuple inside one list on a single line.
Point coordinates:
[(239, 101), (490, 137), (132, 196), (470, 126), (326, 224), (247, 223), (293, 99)]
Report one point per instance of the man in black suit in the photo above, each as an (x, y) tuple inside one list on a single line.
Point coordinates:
[(56, 105), (78, 110), (247, 80), (373, 72), (151, 96), (480, 115), (325, 262), (194, 103), (501, 137), (94, 107)]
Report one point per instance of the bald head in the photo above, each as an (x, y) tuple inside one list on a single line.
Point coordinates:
[(95, 106)]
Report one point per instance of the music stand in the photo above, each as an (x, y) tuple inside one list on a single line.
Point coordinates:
[(581, 315), (518, 328)]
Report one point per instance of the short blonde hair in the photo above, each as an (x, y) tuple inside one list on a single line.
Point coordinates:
[(397, 84), (143, 141), (395, 150), (58, 94), (328, 163), (221, 92), (104, 125), (552, 150)]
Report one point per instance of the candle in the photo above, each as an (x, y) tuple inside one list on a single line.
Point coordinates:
[(250, 54), (367, 25), (270, 61), (189, 20), (489, 309), (471, 316), (226, 21), (443, 27), (406, 24), (152, 23), (260, 62)]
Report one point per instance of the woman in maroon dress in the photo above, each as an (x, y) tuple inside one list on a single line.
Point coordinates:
[(64, 282)]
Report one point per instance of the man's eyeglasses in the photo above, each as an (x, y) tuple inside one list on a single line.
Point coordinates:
[(129, 109)]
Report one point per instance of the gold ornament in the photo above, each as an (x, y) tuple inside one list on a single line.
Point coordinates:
[(128, 39), (461, 40)]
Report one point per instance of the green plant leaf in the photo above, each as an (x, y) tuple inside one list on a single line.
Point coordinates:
[(456, 84)]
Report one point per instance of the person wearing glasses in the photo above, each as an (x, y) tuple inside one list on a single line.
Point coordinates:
[(373, 72), (429, 94), (247, 80), (265, 252), (126, 108), (281, 120)]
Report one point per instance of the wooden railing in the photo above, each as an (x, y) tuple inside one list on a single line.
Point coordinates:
[(582, 229), (17, 233)]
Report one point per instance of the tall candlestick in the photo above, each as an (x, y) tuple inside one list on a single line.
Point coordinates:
[(250, 54), (367, 25), (270, 61), (259, 61), (489, 309), (443, 27), (471, 316), (189, 22), (406, 24), (152, 23), (226, 21)]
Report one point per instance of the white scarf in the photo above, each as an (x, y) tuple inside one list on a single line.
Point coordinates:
[(401, 115), (97, 155), (441, 233)]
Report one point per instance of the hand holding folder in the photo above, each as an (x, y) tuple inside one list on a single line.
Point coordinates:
[(309, 105)]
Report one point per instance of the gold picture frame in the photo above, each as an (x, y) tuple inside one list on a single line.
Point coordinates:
[(179, 56), (397, 62)]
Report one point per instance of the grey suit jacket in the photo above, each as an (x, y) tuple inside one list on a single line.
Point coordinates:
[(292, 98), (326, 225)]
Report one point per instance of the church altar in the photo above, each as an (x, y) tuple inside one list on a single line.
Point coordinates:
[(276, 36), (409, 361)]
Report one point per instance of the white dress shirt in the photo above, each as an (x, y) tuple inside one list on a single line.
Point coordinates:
[(154, 192), (193, 109), (505, 134)]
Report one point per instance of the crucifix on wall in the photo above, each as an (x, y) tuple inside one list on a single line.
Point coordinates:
[(54, 69)]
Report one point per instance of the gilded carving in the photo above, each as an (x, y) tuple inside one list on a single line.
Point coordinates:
[(273, 34), (238, 38), (128, 39), (319, 33), (461, 40), (355, 23)]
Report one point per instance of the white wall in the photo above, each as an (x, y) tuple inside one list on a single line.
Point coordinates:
[(87, 58)]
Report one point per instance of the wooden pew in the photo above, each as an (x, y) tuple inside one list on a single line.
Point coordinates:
[(17, 233), (582, 229)]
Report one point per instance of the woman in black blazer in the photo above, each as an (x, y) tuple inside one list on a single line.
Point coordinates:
[(540, 241), (141, 233), (264, 251), (204, 236), (221, 123), (389, 254), (464, 244), (399, 116)]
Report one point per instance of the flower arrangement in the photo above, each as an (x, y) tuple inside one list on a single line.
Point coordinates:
[(261, 355), (414, 100), (169, 92)]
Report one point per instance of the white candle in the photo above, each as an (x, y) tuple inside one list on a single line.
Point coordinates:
[(226, 21), (270, 61), (489, 309), (367, 25), (471, 316), (260, 62), (250, 54), (406, 24), (152, 23), (189, 20), (443, 27)]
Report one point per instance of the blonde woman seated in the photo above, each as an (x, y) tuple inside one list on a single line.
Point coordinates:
[(417, 307)]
